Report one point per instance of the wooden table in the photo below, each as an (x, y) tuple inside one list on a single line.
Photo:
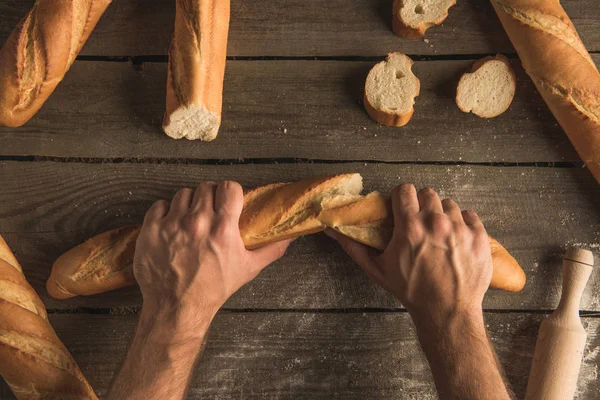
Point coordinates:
[(311, 326)]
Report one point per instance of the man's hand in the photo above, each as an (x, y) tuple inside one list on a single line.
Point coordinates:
[(438, 264), (189, 259), (190, 256)]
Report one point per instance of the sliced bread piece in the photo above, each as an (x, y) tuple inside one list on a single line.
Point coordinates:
[(411, 18), (390, 90), (488, 89)]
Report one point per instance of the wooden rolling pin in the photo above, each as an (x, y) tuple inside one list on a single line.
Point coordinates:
[(560, 343)]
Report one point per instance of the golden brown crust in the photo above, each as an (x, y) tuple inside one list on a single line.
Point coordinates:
[(40, 51), (197, 58), (102, 263), (35, 363), (385, 118), (562, 70)]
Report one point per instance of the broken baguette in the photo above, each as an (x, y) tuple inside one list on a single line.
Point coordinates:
[(270, 214), (196, 69), (488, 90), (390, 90), (370, 221)]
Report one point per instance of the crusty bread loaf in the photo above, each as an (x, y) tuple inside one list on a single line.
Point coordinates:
[(562, 70), (369, 220), (271, 213), (33, 361), (390, 90), (196, 69), (411, 18), (40, 51), (488, 89)]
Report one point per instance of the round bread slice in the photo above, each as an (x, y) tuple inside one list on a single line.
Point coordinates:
[(411, 18), (488, 89), (390, 90)]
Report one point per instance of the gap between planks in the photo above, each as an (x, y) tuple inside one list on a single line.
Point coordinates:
[(275, 161)]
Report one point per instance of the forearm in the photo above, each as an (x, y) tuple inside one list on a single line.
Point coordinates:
[(161, 358), (463, 363)]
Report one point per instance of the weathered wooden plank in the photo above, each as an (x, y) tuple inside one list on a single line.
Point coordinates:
[(285, 109), (48, 208), (313, 356), (314, 28)]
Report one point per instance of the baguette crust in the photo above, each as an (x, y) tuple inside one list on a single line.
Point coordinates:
[(102, 263), (270, 214), (413, 31), (40, 51), (196, 70), (35, 363), (562, 70)]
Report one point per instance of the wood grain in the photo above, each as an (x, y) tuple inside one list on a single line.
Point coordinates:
[(49, 207), (308, 28), (312, 355), (285, 109)]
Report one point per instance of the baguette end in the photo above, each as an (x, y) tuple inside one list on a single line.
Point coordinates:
[(193, 122)]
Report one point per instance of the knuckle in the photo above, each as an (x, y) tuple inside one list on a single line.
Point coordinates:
[(231, 186), (223, 230), (440, 223), (183, 192), (427, 191), (406, 188), (413, 225), (449, 203)]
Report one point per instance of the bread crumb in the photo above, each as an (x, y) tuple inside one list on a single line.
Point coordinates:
[(284, 130), (426, 40)]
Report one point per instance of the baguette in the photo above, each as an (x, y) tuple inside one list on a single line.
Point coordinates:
[(390, 90), (270, 214), (370, 221), (33, 361), (488, 89), (411, 18), (40, 51), (196, 69), (560, 67)]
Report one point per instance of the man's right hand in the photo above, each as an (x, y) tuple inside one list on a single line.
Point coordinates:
[(439, 265), (438, 262)]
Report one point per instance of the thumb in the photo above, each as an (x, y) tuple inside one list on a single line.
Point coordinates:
[(267, 255), (363, 255)]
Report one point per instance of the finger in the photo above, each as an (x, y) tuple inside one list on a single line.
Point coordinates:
[(363, 255), (429, 201), (157, 211), (404, 202), (204, 198), (267, 255), (229, 200), (472, 219), (452, 210), (180, 203)]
